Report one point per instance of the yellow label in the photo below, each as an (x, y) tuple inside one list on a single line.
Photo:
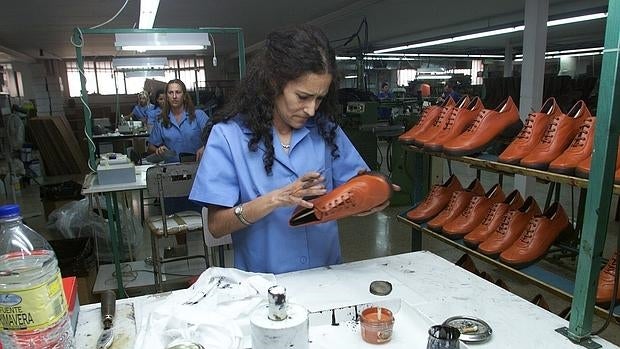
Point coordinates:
[(35, 308)]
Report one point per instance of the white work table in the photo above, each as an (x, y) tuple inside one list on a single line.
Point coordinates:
[(92, 186), (427, 290)]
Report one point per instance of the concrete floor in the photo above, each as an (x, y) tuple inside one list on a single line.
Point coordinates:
[(382, 234)]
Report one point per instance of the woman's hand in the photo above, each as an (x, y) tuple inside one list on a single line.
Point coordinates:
[(199, 153), (161, 150), (310, 184)]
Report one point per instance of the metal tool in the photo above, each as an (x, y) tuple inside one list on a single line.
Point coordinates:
[(108, 309)]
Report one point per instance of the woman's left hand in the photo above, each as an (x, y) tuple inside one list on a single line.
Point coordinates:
[(199, 153)]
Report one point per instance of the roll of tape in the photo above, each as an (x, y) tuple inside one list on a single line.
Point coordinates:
[(290, 333)]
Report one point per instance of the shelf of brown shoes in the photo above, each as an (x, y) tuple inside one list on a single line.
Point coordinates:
[(533, 273)]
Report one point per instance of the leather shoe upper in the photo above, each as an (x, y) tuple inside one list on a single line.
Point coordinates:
[(456, 123), (531, 133), (430, 133), (537, 237), (487, 125), (360, 194), (435, 201), (428, 117), (558, 135), (456, 205), (493, 219), (605, 286), (473, 214), (579, 149), (509, 230)]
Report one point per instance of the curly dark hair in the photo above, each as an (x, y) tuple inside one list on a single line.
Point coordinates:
[(287, 55), (187, 104)]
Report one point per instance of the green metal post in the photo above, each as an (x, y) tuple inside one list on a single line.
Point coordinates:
[(79, 42), (241, 48), (359, 65), (601, 180)]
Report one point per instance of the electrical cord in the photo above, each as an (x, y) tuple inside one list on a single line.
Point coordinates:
[(113, 17), (214, 56)]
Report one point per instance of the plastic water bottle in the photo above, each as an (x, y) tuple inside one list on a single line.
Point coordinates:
[(33, 309)]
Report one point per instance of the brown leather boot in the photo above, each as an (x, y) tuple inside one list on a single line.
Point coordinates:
[(467, 263), (531, 133), (359, 194), (605, 288), (512, 225), (493, 219), (578, 150), (536, 239), (456, 205), (489, 124), (558, 135), (473, 214), (428, 117), (430, 133), (456, 124), (435, 201)]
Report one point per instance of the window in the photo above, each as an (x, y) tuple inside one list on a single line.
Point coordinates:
[(406, 75)]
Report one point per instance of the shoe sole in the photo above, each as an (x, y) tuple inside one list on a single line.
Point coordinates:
[(471, 245), (537, 166), (570, 171)]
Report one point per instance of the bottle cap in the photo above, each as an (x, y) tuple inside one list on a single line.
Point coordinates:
[(10, 210)]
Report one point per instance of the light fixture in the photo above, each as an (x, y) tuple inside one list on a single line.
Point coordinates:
[(148, 11), (593, 50), (351, 77), (493, 32), (433, 77), (139, 62), (145, 74), (143, 42)]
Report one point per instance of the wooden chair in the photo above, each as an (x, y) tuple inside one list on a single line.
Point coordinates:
[(171, 181)]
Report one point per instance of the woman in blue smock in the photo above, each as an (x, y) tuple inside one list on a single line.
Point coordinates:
[(179, 130), (140, 110), (154, 114), (275, 144)]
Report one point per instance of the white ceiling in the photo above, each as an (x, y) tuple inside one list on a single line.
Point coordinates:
[(42, 28)]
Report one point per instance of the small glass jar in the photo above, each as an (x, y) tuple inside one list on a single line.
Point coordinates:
[(376, 325)]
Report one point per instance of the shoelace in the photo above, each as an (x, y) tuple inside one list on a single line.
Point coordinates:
[(528, 234), (423, 116), (470, 207), (477, 121), (442, 115), (491, 213), (503, 227), (579, 140), (550, 131), (452, 202), (427, 201), (526, 131), (451, 119), (611, 266)]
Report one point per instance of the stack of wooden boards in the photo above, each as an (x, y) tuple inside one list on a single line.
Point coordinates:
[(60, 151)]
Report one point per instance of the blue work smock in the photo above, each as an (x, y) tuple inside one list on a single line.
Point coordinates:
[(153, 115), (180, 137), (139, 112), (229, 174)]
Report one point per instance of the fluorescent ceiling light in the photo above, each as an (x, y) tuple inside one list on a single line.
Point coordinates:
[(148, 11), (433, 77), (565, 52), (145, 74), (493, 32), (408, 55), (142, 42), (351, 77), (139, 62)]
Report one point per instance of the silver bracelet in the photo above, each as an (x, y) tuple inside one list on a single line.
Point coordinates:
[(239, 213)]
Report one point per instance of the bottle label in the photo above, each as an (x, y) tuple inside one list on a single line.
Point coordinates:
[(35, 308)]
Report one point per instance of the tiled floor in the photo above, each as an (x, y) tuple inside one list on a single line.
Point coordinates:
[(382, 234)]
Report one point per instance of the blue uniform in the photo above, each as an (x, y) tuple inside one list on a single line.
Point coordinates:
[(181, 137), (139, 112), (152, 115), (229, 174)]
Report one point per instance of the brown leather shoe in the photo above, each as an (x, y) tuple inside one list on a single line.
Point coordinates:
[(605, 288), (360, 194), (578, 150), (489, 124), (512, 225), (456, 124), (536, 239), (473, 214), (456, 205), (531, 133), (467, 263), (435, 201), (583, 167), (428, 117), (493, 219), (430, 133), (558, 135)]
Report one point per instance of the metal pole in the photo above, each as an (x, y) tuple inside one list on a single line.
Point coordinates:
[(77, 39)]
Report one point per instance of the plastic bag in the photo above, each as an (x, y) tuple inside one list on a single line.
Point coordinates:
[(75, 219)]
